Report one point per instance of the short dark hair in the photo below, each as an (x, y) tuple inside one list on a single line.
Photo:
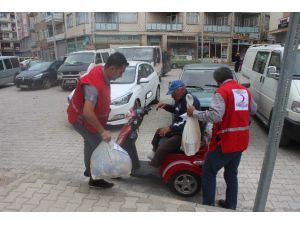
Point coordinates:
[(223, 73), (116, 59)]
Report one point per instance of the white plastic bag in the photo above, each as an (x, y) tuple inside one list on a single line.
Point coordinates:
[(110, 161), (191, 136)]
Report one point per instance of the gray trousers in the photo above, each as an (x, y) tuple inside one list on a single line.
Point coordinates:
[(91, 141)]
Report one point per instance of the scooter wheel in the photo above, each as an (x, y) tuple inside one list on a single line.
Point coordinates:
[(185, 183)]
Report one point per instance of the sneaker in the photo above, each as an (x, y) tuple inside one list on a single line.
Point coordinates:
[(151, 155), (100, 184)]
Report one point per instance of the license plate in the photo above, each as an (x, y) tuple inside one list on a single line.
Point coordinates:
[(71, 81)]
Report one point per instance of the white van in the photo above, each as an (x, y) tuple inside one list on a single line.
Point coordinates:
[(261, 66), (9, 69), (151, 54), (78, 64)]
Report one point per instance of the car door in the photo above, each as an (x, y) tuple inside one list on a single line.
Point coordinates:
[(259, 68), (143, 87), (269, 85), (153, 81), (53, 71)]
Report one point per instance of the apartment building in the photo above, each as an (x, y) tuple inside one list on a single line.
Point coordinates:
[(220, 34), (9, 44), (279, 22)]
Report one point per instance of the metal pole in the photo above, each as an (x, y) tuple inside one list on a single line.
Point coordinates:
[(279, 112), (54, 40)]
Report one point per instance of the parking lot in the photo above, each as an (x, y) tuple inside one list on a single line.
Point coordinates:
[(41, 155)]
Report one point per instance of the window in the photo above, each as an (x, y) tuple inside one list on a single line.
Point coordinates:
[(260, 61), (98, 58), (70, 20), (7, 63), (128, 17), (82, 18), (149, 69), (1, 65), (142, 72), (275, 61), (106, 17), (15, 62), (192, 18), (105, 56)]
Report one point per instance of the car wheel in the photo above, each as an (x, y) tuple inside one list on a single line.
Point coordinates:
[(174, 66), (185, 183), (157, 96), (46, 83), (284, 139)]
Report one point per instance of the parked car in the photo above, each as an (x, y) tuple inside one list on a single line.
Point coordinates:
[(42, 74), (78, 63), (138, 81), (261, 66), (199, 80), (9, 69), (179, 61)]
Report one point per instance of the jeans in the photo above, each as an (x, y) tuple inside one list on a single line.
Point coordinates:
[(213, 163), (91, 141)]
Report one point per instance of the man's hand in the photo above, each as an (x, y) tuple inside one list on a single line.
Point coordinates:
[(190, 110), (160, 105), (106, 136), (163, 131)]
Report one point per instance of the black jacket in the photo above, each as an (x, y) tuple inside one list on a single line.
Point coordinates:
[(178, 109)]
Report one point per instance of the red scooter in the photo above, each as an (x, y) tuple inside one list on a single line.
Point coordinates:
[(182, 173)]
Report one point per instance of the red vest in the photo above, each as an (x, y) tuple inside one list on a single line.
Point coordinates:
[(232, 133), (95, 78)]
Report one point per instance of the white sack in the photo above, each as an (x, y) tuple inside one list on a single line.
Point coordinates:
[(191, 136), (110, 161)]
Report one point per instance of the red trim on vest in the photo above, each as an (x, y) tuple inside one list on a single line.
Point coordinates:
[(95, 78), (235, 141)]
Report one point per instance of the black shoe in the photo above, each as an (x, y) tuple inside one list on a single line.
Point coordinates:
[(86, 174), (222, 203), (100, 184)]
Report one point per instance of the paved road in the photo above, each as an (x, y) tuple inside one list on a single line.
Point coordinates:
[(41, 163)]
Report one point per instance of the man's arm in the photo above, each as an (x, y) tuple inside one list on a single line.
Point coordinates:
[(215, 113)]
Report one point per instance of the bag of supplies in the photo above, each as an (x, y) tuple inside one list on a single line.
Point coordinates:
[(191, 136), (110, 161)]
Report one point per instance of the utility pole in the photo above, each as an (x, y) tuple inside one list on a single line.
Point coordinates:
[(53, 31), (279, 112), (202, 37)]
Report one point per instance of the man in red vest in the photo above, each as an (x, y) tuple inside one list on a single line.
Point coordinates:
[(89, 108), (229, 112)]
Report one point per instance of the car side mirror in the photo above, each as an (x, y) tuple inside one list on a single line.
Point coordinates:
[(272, 72), (143, 81), (247, 85)]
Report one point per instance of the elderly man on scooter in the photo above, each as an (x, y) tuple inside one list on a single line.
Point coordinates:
[(173, 132)]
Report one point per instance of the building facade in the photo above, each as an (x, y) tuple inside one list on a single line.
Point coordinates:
[(9, 44), (279, 22), (216, 36)]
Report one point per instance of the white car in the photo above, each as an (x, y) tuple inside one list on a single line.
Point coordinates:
[(138, 81)]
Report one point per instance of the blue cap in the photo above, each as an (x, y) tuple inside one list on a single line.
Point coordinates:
[(174, 85)]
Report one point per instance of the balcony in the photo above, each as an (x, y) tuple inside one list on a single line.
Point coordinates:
[(244, 30), (164, 27), (217, 28), (58, 37), (57, 18), (106, 26)]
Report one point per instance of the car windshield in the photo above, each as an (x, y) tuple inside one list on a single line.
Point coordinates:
[(198, 77), (144, 54), (80, 58), (128, 76), (296, 70), (40, 66)]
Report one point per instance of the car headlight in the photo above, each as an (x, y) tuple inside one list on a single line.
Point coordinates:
[(59, 76), (296, 106), (82, 73), (122, 100), (38, 75)]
